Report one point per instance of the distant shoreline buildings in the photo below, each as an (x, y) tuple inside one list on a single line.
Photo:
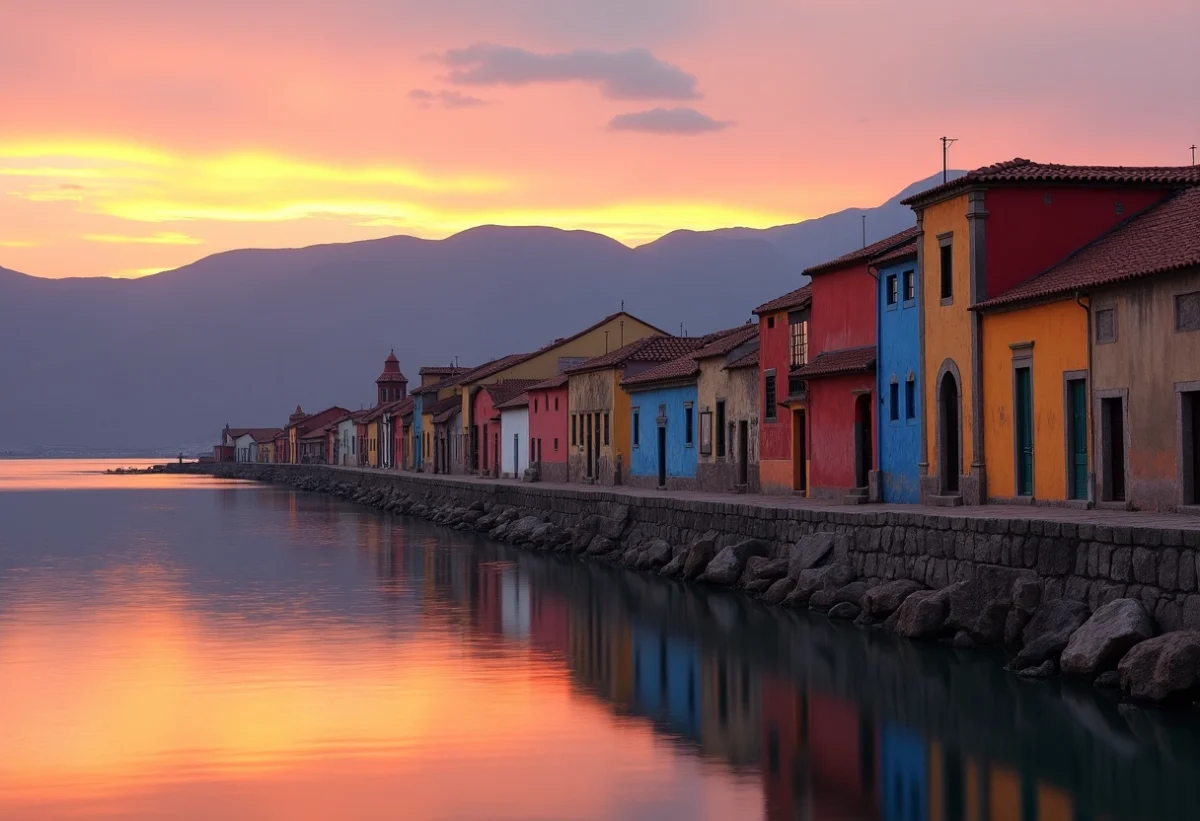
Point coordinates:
[(1035, 339)]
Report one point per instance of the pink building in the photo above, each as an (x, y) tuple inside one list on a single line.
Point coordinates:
[(548, 416)]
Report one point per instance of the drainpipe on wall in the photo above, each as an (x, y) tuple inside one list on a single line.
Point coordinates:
[(1091, 477), (876, 412)]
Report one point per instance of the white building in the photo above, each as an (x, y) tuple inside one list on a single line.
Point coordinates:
[(514, 436), (347, 441)]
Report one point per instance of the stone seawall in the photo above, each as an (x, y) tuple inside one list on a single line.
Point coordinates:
[(1028, 584)]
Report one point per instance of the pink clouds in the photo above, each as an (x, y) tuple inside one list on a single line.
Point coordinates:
[(836, 104)]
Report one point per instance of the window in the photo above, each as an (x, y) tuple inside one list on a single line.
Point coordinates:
[(1106, 325), (721, 428), (894, 401), (556, 444), (910, 286), (1187, 312), (688, 435), (770, 322), (636, 429), (893, 290), (606, 428), (769, 401), (706, 421), (947, 260), (574, 429), (798, 337), (910, 398), (535, 406), (556, 403)]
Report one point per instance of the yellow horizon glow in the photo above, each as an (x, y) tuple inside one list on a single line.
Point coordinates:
[(116, 185)]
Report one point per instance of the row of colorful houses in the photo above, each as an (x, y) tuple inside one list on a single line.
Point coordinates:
[(1030, 340)]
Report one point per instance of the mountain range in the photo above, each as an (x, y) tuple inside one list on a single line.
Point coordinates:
[(241, 337)]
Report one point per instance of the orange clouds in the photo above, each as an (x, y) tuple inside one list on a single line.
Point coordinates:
[(276, 123)]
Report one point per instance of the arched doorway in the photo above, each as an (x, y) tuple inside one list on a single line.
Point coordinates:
[(863, 456), (949, 433)]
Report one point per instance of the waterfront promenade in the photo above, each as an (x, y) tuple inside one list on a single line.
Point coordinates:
[(1101, 517)]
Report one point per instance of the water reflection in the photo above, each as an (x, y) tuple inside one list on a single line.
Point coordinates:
[(241, 652)]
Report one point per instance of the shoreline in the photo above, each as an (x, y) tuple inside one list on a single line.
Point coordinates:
[(1019, 584)]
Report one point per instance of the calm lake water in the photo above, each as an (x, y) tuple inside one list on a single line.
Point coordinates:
[(182, 648)]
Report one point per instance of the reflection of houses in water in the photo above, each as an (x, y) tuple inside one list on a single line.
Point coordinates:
[(784, 730), (549, 623), (843, 755), (731, 724), (666, 680), (963, 788), (600, 651), (485, 609), (514, 603), (904, 791)]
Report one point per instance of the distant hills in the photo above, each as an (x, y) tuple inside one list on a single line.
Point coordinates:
[(242, 336)]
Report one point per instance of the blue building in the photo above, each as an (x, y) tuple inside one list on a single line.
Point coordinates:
[(664, 437), (897, 374), (904, 793), (418, 440)]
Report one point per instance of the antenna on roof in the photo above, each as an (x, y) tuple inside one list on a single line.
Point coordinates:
[(1193, 147), (864, 216), (946, 143), (623, 301), (606, 341)]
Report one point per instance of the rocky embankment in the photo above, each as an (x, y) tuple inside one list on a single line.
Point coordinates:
[(1118, 645)]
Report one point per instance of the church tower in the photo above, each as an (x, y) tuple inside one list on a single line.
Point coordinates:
[(392, 384)]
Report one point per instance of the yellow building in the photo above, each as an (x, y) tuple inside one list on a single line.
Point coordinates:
[(607, 335), (1035, 360)]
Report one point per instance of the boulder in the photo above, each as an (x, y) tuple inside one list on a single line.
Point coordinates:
[(822, 600), (1166, 668), (1048, 632), (1014, 627), (727, 566), (1043, 670), (601, 546), (880, 602), (989, 627), (779, 590), (1104, 639), (761, 567), (844, 610), (811, 551), (922, 615), (698, 558), (675, 566), (851, 593), (1110, 680), (522, 529), (759, 585), (655, 555), (963, 641)]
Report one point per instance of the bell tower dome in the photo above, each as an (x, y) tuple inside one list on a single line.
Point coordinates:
[(392, 386)]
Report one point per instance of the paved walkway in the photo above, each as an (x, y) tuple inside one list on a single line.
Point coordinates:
[(1106, 518)]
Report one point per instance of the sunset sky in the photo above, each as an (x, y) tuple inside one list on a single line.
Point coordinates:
[(139, 135)]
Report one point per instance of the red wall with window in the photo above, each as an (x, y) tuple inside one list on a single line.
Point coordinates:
[(843, 310), (1028, 229), (547, 423), (775, 435), (831, 420)]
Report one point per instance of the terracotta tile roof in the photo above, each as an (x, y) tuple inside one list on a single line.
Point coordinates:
[(506, 389), (682, 368), (490, 368), (832, 363), (750, 360), (394, 408), (906, 251), (265, 434), (441, 370), (799, 298), (556, 381), (727, 341), (1163, 238), (654, 348), (1018, 171), (718, 344), (450, 403), (521, 400), (313, 435), (863, 255)]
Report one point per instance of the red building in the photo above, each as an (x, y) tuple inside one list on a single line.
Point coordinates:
[(839, 377), (843, 751), (548, 415), (783, 346), (784, 717), (487, 418)]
